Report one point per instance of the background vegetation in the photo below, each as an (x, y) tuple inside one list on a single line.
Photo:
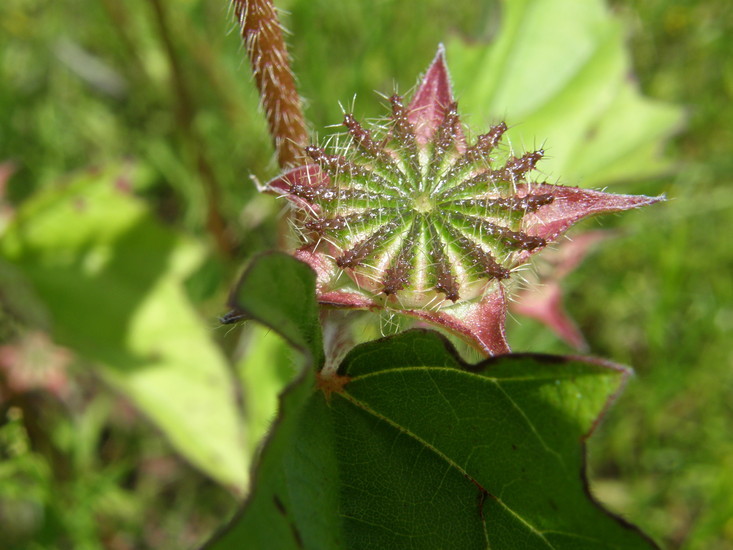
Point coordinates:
[(144, 111)]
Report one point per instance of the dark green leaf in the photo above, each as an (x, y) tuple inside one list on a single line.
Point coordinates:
[(423, 451), (279, 291)]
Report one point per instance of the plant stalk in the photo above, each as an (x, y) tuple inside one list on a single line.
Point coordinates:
[(263, 38), (186, 111)]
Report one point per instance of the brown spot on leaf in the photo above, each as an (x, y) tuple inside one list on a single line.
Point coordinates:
[(329, 381)]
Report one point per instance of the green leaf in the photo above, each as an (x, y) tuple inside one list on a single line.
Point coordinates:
[(112, 280), (558, 71), (278, 291), (420, 450)]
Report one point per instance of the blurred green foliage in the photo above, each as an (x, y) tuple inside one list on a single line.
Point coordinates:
[(161, 89), (113, 284)]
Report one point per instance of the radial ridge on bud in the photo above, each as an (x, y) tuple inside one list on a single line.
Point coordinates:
[(411, 216)]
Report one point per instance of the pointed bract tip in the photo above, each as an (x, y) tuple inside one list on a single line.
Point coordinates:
[(440, 54), (572, 204), (432, 99)]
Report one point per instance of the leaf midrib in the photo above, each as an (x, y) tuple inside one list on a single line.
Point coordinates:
[(366, 408)]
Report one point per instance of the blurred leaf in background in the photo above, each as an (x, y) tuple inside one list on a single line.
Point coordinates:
[(113, 285), (559, 72), (675, 429)]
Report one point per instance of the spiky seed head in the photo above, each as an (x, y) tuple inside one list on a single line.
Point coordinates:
[(420, 220)]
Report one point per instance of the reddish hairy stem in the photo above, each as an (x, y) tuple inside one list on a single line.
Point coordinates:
[(270, 62)]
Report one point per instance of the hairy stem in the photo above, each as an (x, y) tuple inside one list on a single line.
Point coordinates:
[(270, 62)]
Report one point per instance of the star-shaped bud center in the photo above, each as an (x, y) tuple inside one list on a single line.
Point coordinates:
[(422, 203), (421, 223), (412, 216)]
